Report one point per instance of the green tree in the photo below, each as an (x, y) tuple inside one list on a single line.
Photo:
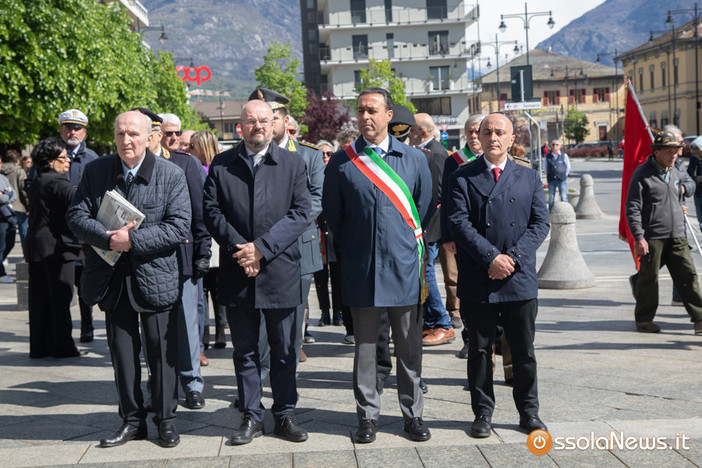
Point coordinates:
[(279, 73), (61, 54), (379, 74), (575, 125)]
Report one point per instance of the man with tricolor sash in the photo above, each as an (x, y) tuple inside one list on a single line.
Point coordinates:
[(377, 194)]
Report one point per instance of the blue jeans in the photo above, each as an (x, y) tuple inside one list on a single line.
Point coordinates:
[(698, 208), (22, 220), (435, 315), (562, 187)]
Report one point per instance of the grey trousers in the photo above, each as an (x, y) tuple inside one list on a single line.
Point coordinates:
[(405, 322)]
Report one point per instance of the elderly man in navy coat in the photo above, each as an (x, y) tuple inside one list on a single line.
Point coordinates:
[(256, 205), (379, 254), (498, 218)]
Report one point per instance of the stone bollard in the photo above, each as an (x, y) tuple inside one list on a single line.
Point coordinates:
[(587, 207), (564, 266), (22, 274)]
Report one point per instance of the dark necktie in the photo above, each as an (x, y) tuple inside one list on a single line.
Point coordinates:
[(130, 179), (496, 173)]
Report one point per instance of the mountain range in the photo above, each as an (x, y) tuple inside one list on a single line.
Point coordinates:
[(232, 36)]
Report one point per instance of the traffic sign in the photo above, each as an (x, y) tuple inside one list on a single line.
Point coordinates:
[(444, 135), (238, 129), (443, 126), (523, 105)]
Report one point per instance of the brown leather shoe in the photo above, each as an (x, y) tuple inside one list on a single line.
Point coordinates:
[(650, 327), (203, 360), (427, 331), (440, 336)]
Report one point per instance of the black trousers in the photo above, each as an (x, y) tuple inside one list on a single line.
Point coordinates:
[(244, 324), (86, 311), (124, 340), (518, 320), (210, 287), (50, 294)]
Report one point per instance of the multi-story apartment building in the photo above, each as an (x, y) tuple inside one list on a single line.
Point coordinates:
[(426, 42), (562, 83), (663, 71), (137, 11)]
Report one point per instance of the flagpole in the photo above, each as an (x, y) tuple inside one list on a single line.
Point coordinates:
[(641, 112)]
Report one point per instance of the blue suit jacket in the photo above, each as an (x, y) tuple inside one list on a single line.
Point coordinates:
[(271, 210), (486, 219), (379, 260)]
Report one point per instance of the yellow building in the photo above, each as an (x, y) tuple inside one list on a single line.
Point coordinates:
[(561, 83), (665, 79)]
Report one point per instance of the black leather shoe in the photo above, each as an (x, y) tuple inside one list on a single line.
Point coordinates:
[(366, 431), (288, 429), (86, 337), (248, 429), (124, 434), (194, 400), (423, 385), (531, 423), (481, 426), (417, 430), (167, 435)]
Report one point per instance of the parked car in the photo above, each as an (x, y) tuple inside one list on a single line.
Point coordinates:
[(686, 145)]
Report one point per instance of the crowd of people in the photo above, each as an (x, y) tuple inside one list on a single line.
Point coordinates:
[(250, 228)]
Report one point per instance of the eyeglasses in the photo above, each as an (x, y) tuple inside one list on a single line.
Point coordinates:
[(171, 133), (64, 158), (292, 132), (263, 123), (328, 153)]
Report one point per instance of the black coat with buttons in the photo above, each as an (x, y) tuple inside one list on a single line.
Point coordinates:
[(486, 219)]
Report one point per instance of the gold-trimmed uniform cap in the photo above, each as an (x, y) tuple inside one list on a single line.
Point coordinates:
[(665, 140), (156, 121), (401, 122), (274, 99), (73, 117)]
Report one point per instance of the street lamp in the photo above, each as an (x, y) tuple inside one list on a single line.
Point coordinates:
[(162, 38), (615, 88), (526, 18), (497, 46), (693, 12)]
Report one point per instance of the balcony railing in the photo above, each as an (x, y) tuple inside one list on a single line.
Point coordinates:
[(412, 87), (399, 52), (395, 15)]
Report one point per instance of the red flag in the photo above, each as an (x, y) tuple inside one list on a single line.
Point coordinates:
[(637, 141)]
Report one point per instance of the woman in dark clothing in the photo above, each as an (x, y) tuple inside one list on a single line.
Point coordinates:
[(52, 252)]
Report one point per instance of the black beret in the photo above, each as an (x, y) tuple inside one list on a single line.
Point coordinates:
[(401, 122), (274, 99)]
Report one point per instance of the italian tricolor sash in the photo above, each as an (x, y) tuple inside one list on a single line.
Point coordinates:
[(463, 156), (382, 176)]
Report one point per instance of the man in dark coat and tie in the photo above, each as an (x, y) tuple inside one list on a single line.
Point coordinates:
[(377, 193), (143, 285), (498, 218), (256, 205)]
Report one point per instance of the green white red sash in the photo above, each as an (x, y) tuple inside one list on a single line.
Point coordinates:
[(463, 156), (386, 179)]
